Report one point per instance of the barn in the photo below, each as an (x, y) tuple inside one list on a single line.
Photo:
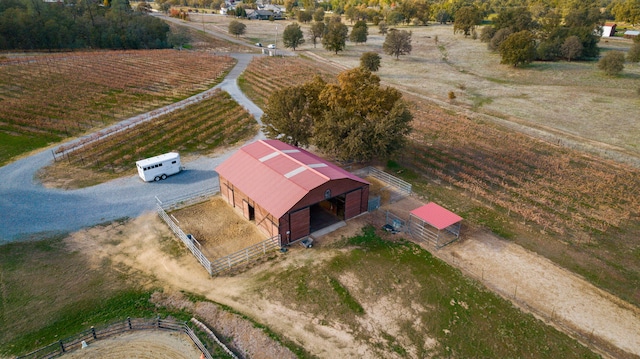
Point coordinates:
[(289, 191)]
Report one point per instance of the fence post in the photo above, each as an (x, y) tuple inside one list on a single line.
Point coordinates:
[(93, 332), (61, 346), (158, 322), (129, 322)]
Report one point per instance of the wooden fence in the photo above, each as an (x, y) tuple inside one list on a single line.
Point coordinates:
[(188, 241), (245, 255), (91, 335), (222, 264)]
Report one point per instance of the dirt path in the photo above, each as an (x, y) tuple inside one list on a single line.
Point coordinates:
[(140, 345), (531, 282), (558, 296)]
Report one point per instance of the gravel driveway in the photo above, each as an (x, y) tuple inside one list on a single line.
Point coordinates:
[(29, 209)]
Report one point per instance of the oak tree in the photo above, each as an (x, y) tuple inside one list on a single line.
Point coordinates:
[(518, 49), (571, 48), (290, 113), (361, 120), (336, 36), (466, 19), (292, 36), (397, 42), (237, 28), (370, 61), (316, 31)]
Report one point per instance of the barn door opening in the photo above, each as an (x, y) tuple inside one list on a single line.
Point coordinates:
[(252, 213), (327, 213)]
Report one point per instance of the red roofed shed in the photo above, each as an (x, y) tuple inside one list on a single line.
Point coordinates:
[(444, 221), (289, 191)]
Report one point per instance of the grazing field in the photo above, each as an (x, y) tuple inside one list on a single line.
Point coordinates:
[(199, 128), (267, 74), (581, 211), (46, 98)]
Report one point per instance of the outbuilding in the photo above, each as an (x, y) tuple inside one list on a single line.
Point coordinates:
[(289, 191), (609, 29)]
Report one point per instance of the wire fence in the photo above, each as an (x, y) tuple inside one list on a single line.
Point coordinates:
[(93, 334), (399, 188)]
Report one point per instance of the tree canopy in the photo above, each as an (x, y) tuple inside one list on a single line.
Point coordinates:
[(237, 28), (292, 36), (466, 20), (290, 113), (355, 119), (397, 42), (361, 120), (518, 49), (370, 61), (316, 31), (37, 25), (335, 38), (359, 32)]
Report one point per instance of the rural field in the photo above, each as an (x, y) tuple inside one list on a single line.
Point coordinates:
[(544, 157)]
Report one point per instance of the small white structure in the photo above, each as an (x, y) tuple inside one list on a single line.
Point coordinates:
[(159, 167), (609, 29)]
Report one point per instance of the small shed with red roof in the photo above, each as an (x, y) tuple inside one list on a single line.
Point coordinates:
[(289, 191), (435, 224)]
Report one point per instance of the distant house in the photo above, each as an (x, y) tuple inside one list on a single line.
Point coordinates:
[(609, 29), (261, 15), (630, 34)]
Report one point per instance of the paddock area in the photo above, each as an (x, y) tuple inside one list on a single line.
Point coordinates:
[(218, 228)]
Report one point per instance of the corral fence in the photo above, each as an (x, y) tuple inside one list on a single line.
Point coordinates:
[(218, 265), (422, 231), (397, 187), (83, 339), (245, 255)]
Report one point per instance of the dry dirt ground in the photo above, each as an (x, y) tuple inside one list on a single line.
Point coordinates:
[(530, 281), (213, 223), (140, 345)]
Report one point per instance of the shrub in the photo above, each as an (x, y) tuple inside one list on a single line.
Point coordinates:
[(634, 53), (612, 63)]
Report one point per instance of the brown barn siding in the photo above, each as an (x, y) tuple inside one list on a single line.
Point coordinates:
[(300, 222), (337, 187), (352, 204), (364, 200)]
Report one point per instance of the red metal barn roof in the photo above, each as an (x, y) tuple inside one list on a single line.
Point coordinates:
[(277, 175), (436, 216)]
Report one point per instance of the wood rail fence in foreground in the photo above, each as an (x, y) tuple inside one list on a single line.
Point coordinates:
[(77, 341)]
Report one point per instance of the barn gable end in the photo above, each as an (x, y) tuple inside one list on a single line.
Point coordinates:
[(288, 190)]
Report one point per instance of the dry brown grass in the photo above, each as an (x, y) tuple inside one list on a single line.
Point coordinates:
[(569, 100)]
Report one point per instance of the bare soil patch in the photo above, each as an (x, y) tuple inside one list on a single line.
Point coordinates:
[(218, 227), (146, 344)]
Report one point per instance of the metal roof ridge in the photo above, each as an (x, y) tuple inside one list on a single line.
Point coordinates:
[(299, 162)]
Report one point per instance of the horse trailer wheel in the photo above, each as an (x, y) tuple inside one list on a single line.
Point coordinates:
[(156, 178), (164, 177)]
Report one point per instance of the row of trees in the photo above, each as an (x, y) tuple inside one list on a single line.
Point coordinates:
[(521, 37), (355, 119), (33, 25)]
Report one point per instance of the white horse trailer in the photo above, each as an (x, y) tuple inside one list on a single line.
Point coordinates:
[(159, 167)]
